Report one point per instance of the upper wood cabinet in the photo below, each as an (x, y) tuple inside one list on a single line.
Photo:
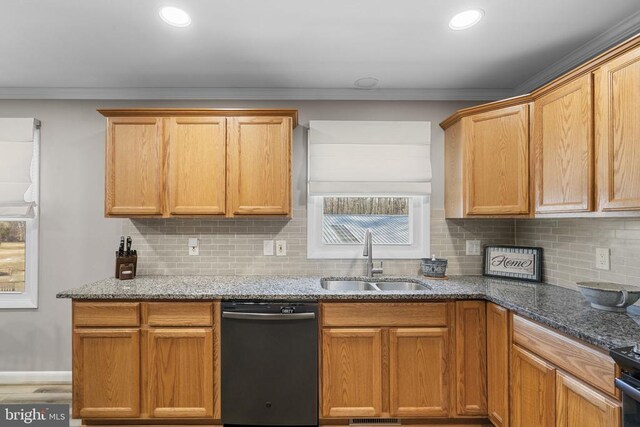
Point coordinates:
[(584, 147), (617, 101), (259, 166), (134, 173), (195, 162), (487, 164), (196, 157), (563, 145)]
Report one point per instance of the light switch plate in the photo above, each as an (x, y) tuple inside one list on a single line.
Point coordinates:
[(194, 246), (281, 247), (267, 247), (603, 258), (473, 247)]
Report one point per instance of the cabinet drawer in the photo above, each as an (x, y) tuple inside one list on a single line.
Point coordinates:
[(586, 363), (179, 314), (106, 314), (384, 314)]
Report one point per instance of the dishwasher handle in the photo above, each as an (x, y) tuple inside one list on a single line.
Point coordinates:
[(267, 316)]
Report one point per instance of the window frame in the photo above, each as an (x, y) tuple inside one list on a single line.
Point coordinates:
[(29, 298), (419, 233)]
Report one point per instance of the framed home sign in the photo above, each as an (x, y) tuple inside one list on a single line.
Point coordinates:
[(513, 262)]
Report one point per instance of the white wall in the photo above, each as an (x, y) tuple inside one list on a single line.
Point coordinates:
[(77, 242)]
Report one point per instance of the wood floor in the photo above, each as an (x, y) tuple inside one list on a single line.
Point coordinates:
[(37, 393)]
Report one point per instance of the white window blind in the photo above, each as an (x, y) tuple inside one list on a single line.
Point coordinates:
[(18, 155), (369, 158)]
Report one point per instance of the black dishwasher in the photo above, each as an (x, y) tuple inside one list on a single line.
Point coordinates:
[(269, 363)]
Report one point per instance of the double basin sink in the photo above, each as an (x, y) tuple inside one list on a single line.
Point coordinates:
[(361, 285)]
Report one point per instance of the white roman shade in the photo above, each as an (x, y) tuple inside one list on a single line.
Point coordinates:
[(18, 161), (382, 158)]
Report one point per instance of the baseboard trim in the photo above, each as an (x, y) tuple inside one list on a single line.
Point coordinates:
[(35, 377)]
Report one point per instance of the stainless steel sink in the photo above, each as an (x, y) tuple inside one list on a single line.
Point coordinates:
[(361, 285), (348, 285), (401, 286)]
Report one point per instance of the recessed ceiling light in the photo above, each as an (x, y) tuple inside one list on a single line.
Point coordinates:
[(466, 19), (366, 83), (175, 17)]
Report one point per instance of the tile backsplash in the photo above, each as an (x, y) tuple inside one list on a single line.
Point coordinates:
[(570, 246), (234, 246)]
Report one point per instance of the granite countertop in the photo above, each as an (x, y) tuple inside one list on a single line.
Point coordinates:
[(562, 309)]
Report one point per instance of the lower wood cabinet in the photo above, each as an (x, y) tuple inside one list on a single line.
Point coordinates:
[(106, 373), (389, 364), (498, 365), (532, 390), (166, 368), (351, 372), (180, 372), (419, 372), (471, 358), (579, 405)]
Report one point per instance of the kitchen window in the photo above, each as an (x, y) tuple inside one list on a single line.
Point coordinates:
[(368, 175), (19, 216)]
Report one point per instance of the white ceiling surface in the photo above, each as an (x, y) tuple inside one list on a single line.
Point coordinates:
[(321, 44)]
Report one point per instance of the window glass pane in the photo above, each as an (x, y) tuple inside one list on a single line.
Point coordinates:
[(12, 256), (345, 220)]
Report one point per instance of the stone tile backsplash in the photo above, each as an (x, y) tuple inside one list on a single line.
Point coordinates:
[(570, 245), (234, 246)]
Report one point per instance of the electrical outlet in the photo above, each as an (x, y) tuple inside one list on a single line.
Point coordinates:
[(473, 247), (281, 247), (194, 246), (267, 247), (603, 258)]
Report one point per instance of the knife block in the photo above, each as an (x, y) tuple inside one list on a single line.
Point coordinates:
[(126, 266)]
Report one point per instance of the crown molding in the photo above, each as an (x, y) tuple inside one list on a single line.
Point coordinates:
[(247, 94), (614, 35)]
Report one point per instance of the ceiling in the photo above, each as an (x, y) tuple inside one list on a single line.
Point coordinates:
[(324, 45)]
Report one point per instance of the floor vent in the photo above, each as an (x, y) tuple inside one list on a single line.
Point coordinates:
[(377, 422)]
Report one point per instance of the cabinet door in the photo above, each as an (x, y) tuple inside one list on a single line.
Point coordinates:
[(578, 405), (352, 372), (532, 390), (419, 372), (471, 358), (196, 156), (497, 162), (498, 365), (617, 96), (106, 373), (180, 372), (259, 166), (134, 166), (564, 149)]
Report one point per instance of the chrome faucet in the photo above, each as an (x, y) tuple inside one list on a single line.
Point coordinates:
[(368, 252)]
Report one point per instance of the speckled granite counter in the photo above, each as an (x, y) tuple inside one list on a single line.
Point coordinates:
[(560, 308)]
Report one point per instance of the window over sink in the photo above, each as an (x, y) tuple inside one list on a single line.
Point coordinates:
[(368, 175)]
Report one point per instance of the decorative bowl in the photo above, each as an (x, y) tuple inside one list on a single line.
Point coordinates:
[(609, 296)]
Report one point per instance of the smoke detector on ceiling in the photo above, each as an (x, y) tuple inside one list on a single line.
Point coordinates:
[(366, 83)]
